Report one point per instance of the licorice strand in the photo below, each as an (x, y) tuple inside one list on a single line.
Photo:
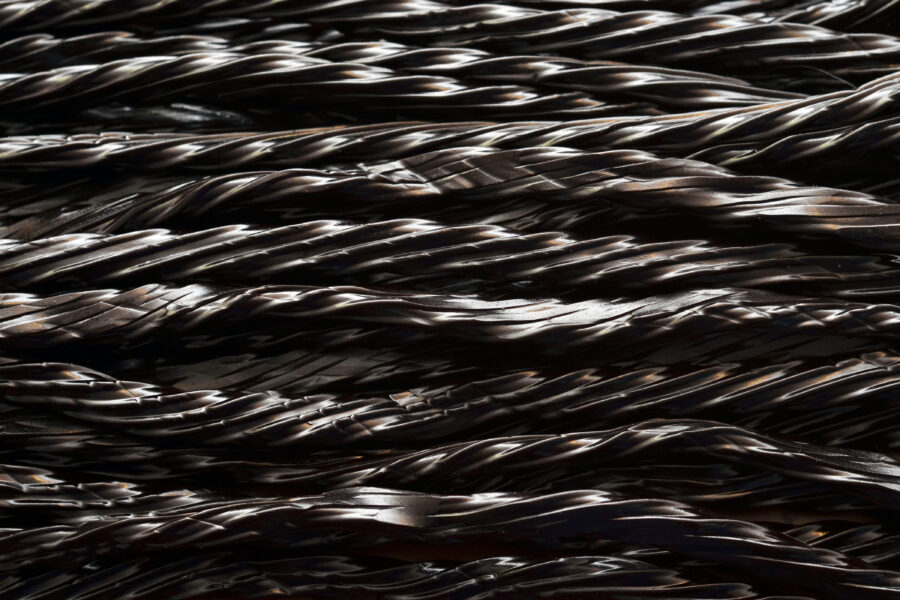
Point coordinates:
[(231, 76), (444, 519), (609, 185), (683, 134), (601, 78), (419, 254), (819, 402), (272, 575)]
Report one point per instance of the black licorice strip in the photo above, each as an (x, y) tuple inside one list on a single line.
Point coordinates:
[(305, 371), (51, 14), (270, 420), (268, 335), (274, 575), (567, 516), (870, 541), (40, 51), (613, 183), (517, 462), (43, 495), (855, 15), (823, 403), (674, 88), (737, 487), (846, 15), (682, 134), (677, 89), (58, 14), (834, 149), (236, 77), (110, 316), (721, 43), (419, 254)]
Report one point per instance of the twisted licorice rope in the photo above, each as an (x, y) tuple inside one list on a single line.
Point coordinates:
[(779, 399), (113, 316), (281, 196), (159, 201), (272, 575), (754, 8), (151, 118), (649, 184), (224, 150), (720, 42), (682, 6), (41, 51), (271, 420), (667, 87), (221, 417), (682, 134), (870, 541), (418, 253), (519, 462), (734, 487), (67, 446), (49, 15), (379, 87), (405, 185), (24, 489), (273, 335), (268, 332), (685, 134), (846, 15), (428, 371), (303, 371), (229, 76), (678, 89), (63, 502), (853, 15), (738, 7), (826, 150), (614, 185), (85, 451), (37, 193), (548, 520), (688, 131)]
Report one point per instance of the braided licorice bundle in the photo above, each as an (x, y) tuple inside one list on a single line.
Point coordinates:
[(425, 254), (598, 293)]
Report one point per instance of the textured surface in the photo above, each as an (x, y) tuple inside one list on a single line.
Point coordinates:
[(449, 300)]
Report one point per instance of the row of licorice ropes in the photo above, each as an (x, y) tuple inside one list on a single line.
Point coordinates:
[(426, 300)]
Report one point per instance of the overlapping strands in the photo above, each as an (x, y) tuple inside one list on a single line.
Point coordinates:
[(395, 299)]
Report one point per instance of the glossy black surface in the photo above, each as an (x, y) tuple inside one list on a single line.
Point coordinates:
[(415, 299)]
